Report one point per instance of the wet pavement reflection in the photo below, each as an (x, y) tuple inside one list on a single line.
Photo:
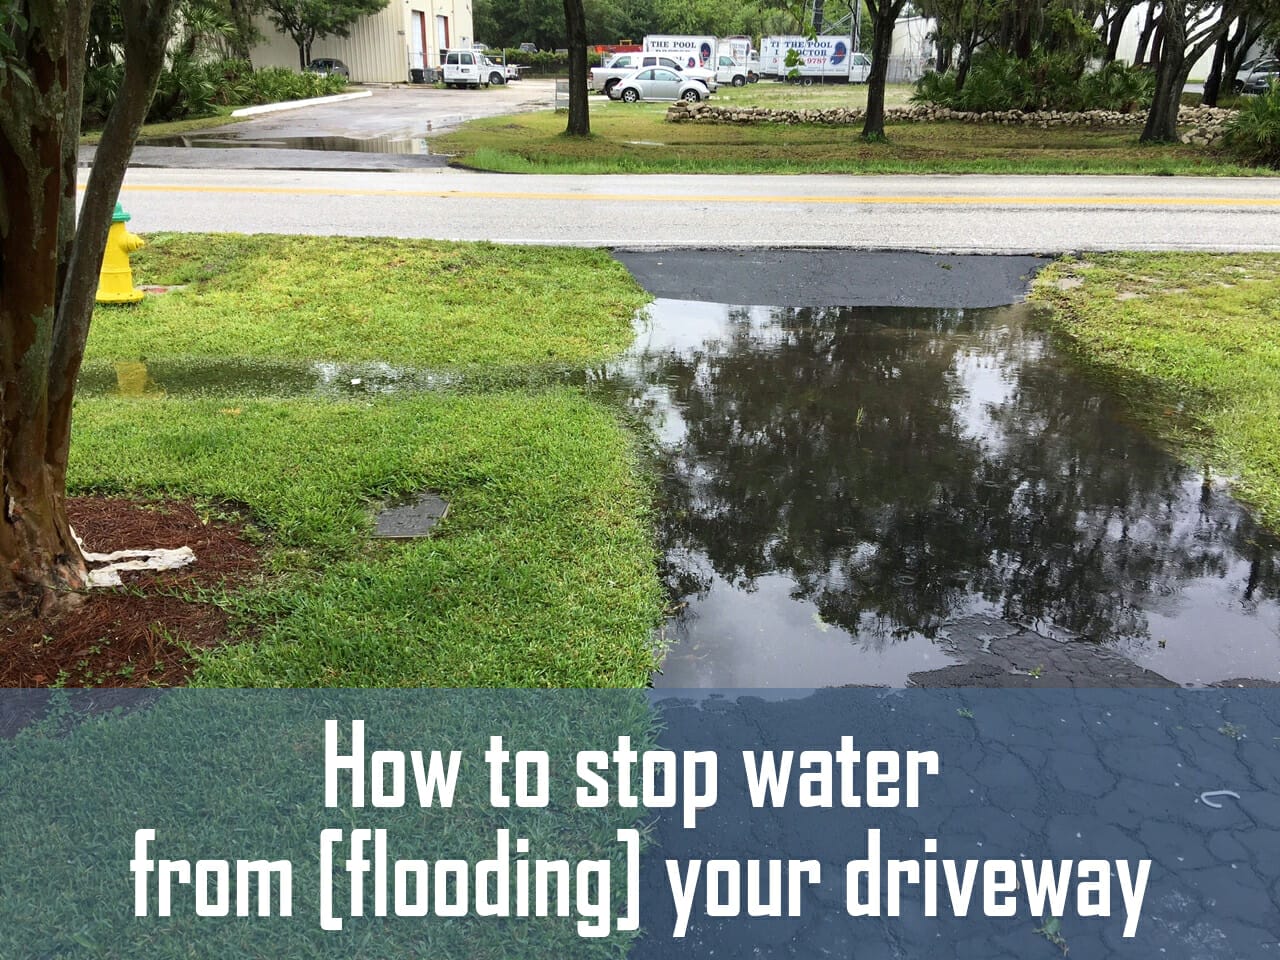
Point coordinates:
[(230, 141), (937, 496)]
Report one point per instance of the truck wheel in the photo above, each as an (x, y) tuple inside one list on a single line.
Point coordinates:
[(496, 79), (739, 80), (753, 78), (631, 95)]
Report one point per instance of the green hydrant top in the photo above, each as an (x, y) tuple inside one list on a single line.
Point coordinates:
[(119, 216)]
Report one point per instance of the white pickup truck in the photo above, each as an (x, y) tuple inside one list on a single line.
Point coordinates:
[(604, 79)]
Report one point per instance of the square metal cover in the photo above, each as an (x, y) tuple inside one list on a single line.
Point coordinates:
[(411, 518)]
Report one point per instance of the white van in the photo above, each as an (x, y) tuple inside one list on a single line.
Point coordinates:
[(471, 68)]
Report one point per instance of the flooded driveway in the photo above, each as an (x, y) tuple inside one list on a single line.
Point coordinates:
[(865, 494), (386, 131)]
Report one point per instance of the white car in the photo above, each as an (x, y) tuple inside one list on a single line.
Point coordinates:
[(605, 78), (658, 83), (1261, 65)]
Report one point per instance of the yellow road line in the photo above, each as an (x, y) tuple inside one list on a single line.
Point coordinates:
[(853, 200)]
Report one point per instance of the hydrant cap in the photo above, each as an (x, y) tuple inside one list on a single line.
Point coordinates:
[(120, 216)]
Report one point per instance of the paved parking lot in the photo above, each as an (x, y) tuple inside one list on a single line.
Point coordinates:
[(386, 131)]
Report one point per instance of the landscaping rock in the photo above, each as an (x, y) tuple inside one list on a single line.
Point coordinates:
[(1207, 123)]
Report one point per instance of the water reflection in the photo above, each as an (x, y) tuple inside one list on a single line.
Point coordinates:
[(227, 141), (857, 495)]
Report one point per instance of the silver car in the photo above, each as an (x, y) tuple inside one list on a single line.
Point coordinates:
[(658, 83)]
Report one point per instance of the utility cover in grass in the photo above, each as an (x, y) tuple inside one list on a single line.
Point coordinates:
[(411, 518)]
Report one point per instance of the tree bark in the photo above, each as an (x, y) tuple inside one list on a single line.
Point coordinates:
[(1213, 84), (1144, 38), (1178, 54), (49, 269), (575, 19), (884, 14)]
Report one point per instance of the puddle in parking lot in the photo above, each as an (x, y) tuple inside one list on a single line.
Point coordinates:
[(890, 495), (395, 145)]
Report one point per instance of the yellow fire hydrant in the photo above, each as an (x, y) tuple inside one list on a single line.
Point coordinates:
[(115, 282)]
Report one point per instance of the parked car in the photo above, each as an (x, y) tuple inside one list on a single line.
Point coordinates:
[(605, 78), (1261, 79), (327, 65), (1249, 67), (658, 83), (529, 47)]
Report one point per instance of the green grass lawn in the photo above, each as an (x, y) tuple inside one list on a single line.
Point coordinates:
[(173, 128), (1194, 340), (636, 138), (402, 301), (542, 574)]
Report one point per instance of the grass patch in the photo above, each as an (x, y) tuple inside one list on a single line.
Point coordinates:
[(174, 128), (409, 302), (543, 573), (1194, 339), (635, 138)]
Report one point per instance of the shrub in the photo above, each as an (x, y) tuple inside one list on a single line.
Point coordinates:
[(999, 81), (544, 63), (100, 87), (1253, 134), (1118, 86), (190, 89), (184, 90)]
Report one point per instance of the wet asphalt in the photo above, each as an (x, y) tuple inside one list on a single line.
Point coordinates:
[(816, 278)]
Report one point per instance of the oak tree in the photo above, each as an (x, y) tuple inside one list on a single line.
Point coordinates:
[(49, 263)]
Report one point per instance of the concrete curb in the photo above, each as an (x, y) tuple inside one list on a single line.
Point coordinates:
[(293, 104)]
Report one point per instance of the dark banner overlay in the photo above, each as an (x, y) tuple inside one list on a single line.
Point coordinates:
[(843, 823)]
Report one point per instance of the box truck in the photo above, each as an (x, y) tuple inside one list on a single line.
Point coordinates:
[(705, 52), (822, 59)]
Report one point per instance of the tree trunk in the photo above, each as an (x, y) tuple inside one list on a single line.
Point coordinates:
[(1115, 31), (240, 42), (1213, 85), (49, 269), (1144, 38), (884, 14), (1176, 61), (575, 19)]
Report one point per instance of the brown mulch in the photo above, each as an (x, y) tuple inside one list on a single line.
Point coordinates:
[(137, 635)]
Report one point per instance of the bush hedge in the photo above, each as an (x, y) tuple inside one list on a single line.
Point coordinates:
[(1253, 135), (544, 63), (190, 89), (998, 81)]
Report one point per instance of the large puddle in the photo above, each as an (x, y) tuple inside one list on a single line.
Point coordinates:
[(883, 495), (230, 141)]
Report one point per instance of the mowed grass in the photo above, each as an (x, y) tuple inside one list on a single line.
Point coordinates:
[(544, 571), (636, 138), (1194, 340), (412, 302)]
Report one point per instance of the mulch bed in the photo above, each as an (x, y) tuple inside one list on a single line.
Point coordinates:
[(137, 635)]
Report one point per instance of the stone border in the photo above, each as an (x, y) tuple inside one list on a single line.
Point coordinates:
[(1207, 122), (293, 104)]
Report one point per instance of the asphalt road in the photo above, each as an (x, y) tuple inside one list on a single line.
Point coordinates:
[(985, 214)]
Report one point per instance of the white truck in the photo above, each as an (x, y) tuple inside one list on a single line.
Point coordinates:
[(822, 59), (705, 52)]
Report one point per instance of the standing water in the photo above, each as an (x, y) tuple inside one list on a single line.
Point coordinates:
[(871, 495)]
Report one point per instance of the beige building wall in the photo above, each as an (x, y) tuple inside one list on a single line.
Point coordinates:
[(384, 46)]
